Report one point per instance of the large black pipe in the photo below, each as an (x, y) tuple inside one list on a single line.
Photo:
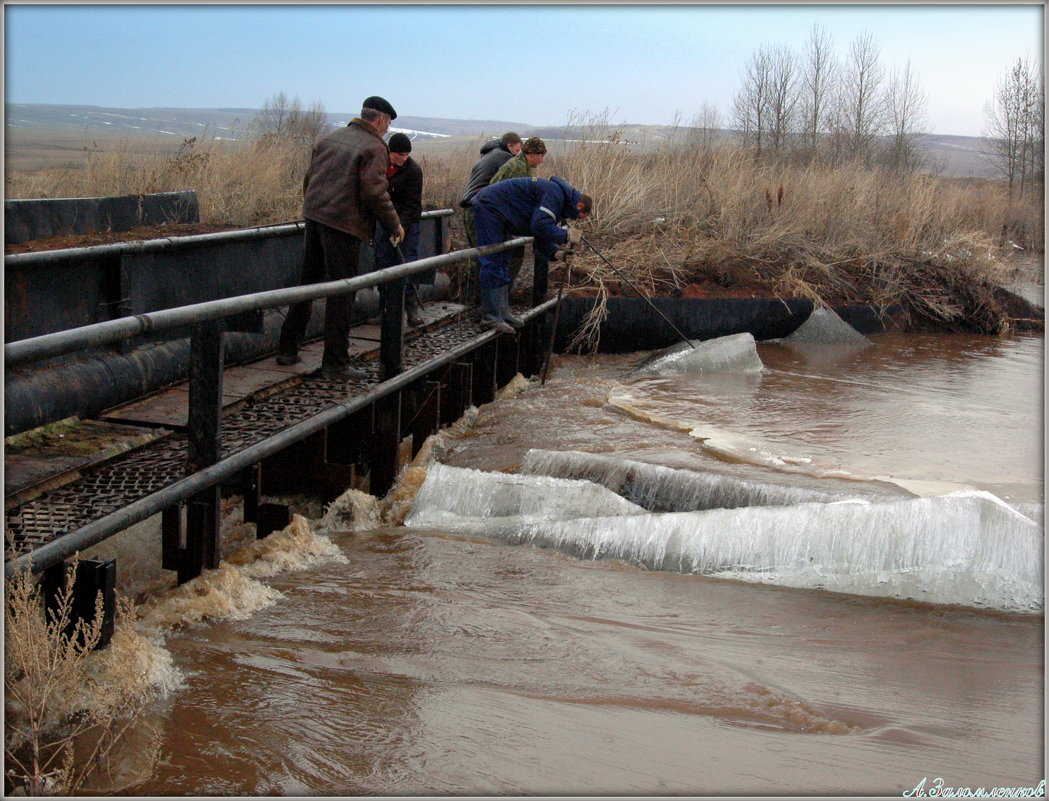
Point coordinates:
[(66, 545), (99, 380)]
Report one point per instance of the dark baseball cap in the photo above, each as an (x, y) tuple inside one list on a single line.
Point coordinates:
[(377, 103)]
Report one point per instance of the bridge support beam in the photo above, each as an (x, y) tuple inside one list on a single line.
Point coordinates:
[(92, 577)]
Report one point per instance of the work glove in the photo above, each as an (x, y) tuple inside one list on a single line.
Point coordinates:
[(561, 255), (574, 236)]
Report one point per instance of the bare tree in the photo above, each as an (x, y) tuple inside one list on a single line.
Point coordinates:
[(861, 98), (704, 128), (1016, 128), (782, 98), (284, 118), (1038, 133), (817, 87), (750, 105), (905, 108)]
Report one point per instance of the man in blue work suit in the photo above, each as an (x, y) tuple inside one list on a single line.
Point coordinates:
[(534, 207)]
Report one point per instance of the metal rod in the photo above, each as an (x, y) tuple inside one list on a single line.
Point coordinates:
[(64, 546), (50, 257), (553, 327), (639, 292), (47, 346)]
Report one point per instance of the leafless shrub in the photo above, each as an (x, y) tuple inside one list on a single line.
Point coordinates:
[(67, 707)]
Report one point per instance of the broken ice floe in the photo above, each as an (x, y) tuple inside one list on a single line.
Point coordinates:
[(464, 498), (968, 548), (735, 353)]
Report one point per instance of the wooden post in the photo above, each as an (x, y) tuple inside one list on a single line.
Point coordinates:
[(199, 548), (506, 364), (540, 277), (484, 366)]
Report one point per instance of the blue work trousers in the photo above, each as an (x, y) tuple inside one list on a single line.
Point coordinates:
[(492, 228)]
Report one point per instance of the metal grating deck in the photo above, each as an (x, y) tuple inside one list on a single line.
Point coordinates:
[(132, 476)]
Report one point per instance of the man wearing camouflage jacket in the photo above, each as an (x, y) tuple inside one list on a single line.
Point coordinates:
[(522, 166)]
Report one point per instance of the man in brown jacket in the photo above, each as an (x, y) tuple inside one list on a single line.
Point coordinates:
[(344, 194)]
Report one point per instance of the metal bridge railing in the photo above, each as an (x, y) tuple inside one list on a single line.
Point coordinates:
[(205, 469), (34, 349)]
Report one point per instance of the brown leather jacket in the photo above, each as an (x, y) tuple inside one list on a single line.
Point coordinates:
[(345, 187)]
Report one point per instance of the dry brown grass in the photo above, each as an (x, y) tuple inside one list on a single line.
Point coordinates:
[(66, 707), (680, 215), (669, 213), (242, 183)]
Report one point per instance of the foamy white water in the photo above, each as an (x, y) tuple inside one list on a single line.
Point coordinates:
[(967, 548)]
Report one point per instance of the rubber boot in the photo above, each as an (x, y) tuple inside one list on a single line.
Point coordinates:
[(413, 306), (490, 311), (504, 308)]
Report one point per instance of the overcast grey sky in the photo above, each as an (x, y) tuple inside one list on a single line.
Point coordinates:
[(532, 64)]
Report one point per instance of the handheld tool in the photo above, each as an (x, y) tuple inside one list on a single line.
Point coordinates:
[(629, 283), (557, 315)]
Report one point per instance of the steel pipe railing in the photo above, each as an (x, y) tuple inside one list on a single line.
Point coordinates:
[(65, 546), (36, 349), (210, 472), (50, 257)]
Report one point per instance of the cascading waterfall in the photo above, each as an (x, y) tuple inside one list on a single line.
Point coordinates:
[(665, 489), (454, 496), (967, 548)]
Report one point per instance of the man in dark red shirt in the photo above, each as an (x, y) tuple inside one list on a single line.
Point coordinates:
[(406, 191)]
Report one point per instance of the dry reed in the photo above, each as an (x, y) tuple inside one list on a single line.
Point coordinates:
[(674, 212), (67, 707)]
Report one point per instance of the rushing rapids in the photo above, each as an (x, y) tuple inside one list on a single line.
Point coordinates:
[(966, 548), (555, 618)]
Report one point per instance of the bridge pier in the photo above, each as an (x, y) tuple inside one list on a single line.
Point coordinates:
[(93, 576)]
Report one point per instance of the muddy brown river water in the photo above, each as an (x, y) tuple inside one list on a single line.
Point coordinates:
[(495, 658)]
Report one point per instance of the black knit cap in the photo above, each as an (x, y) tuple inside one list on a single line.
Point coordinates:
[(400, 143), (377, 103)]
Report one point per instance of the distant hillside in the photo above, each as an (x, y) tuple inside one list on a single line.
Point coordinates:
[(962, 156), (225, 122)]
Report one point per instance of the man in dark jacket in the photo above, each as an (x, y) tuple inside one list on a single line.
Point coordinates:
[(522, 207), (523, 165), (344, 194), (494, 154), (406, 191)]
